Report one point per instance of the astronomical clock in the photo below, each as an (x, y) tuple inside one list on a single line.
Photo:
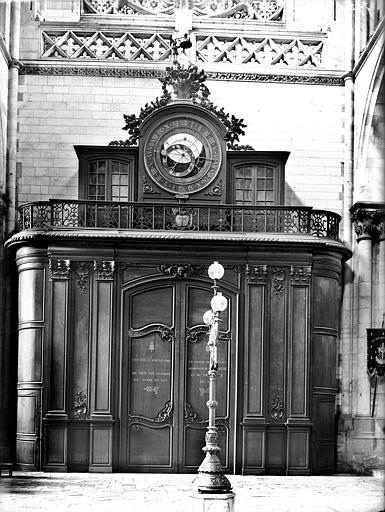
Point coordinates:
[(182, 152)]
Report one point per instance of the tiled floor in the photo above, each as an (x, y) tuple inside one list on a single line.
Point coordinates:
[(118, 492)]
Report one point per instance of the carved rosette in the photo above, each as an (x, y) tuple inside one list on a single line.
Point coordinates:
[(180, 271), (104, 270), (300, 275), (278, 276), (59, 269), (256, 273)]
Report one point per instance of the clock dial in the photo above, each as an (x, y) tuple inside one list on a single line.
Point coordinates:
[(182, 155)]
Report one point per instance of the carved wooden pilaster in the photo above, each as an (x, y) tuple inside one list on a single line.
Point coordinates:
[(256, 273), (300, 275), (104, 270), (59, 269)]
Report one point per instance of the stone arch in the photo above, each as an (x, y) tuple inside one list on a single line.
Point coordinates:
[(370, 153)]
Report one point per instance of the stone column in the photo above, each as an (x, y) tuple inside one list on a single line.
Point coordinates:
[(366, 231), (380, 218)]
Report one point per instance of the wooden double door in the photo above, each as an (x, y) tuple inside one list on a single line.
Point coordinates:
[(164, 386)]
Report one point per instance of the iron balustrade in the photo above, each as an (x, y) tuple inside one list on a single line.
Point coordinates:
[(78, 214)]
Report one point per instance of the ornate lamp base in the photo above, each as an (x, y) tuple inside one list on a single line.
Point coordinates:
[(211, 477)]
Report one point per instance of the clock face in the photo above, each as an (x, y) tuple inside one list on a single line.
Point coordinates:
[(182, 155)]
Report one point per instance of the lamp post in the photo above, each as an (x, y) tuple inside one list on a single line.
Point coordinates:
[(211, 477)]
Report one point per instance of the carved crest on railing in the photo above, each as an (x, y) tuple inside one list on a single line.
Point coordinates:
[(59, 269), (181, 271), (104, 270)]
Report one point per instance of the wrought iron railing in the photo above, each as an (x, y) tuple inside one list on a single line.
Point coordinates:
[(73, 214)]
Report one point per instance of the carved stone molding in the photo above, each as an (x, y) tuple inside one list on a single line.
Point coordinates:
[(118, 72), (59, 269), (82, 272), (80, 407), (278, 277), (180, 271), (256, 273), (300, 275), (104, 270)]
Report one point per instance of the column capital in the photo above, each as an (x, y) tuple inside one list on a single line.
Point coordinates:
[(369, 220)]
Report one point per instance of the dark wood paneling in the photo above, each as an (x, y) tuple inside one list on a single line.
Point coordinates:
[(27, 412), (324, 361), (298, 351), (81, 308), (149, 446), (26, 453), (31, 295), (276, 450), (56, 445), (254, 388), (102, 347), (78, 442), (30, 355), (325, 306), (59, 345), (28, 429), (298, 442), (101, 448), (277, 345), (254, 451)]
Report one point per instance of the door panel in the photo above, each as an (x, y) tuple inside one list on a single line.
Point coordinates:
[(165, 378)]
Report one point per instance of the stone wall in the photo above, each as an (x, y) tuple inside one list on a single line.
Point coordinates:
[(58, 112)]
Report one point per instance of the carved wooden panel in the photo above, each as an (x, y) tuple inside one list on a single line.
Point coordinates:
[(30, 355), (59, 345), (31, 295), (56, 446), (277, 334), (298, 390), (253, 451), (254, 351), (80, 342), (102, 347), (79, 442), (165, 365), (28, 428)]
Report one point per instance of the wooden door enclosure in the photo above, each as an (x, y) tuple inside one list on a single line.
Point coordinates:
[(164, 377)]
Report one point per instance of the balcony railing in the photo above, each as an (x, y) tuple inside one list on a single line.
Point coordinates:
[(60, 214)]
